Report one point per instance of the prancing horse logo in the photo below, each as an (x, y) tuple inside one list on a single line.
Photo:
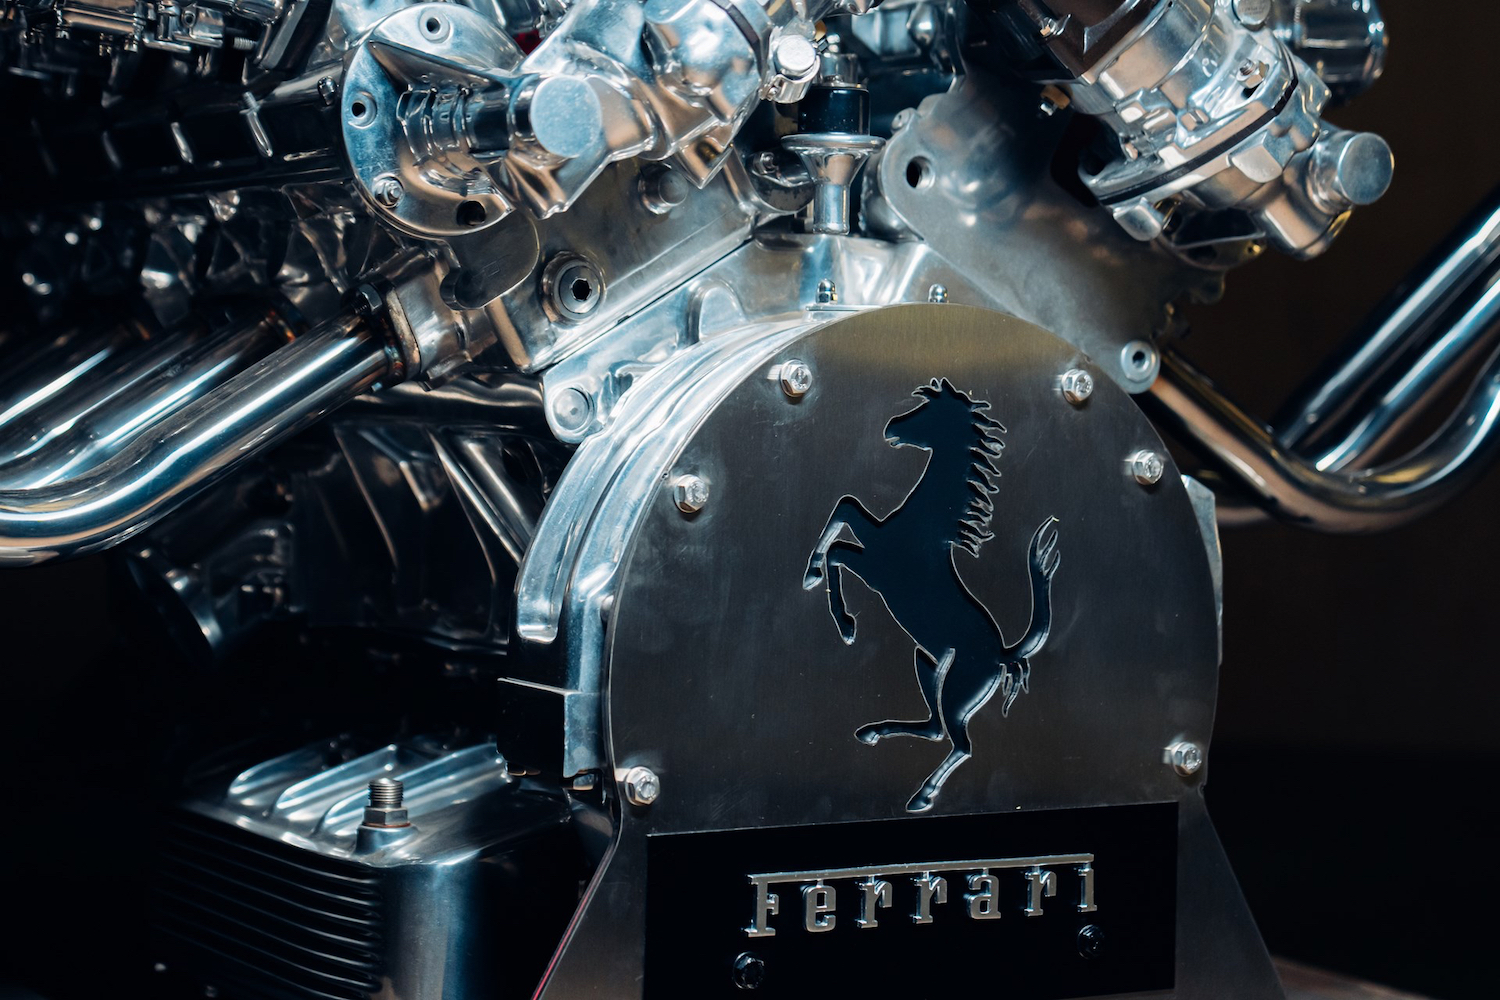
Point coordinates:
[(907, 557)]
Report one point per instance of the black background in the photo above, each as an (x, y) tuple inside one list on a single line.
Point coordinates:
[(1353, 772)]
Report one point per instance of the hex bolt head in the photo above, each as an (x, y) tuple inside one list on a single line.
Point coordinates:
[(387, 190), (1147, 467), (796, 378), (1252, 73), (1140, 361), (690, 493), (1185, 757), (1077, 386), (642, 786), (749, 971)]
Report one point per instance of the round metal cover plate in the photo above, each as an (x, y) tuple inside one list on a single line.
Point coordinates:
[(729, 671)]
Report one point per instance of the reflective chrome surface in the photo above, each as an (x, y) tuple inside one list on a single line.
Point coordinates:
[(1412, 323), (268, 402), (1293, 489), (609, 314)]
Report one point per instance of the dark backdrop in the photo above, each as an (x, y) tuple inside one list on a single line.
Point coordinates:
[(1353, 773)]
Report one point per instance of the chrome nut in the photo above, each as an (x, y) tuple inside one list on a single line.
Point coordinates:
[(1147, 467), (796, 378), (642, 786), (1185, 757), (1077, 386), (690, 493)]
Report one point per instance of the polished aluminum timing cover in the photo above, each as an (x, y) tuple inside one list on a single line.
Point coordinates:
[(736, 676)]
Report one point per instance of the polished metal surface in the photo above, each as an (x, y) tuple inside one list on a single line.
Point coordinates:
[(406, 897), (1411, 323), (57, 447), (1290, 487), (1048, 752), (258, 408), (705, 456), (1344, 41), (1214, 112)]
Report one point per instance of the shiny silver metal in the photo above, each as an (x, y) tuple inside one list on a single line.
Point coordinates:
[(63, 442), (1410, 323), (875, 882), (796, 378), (833, 160), (385, 808), (1344, 41), (690, 493), (301, 815), (641, 786), (1186, 758), (637, 552), (1147, 467), (1289, 487), (263, 405), (636, 336), (1213, 112)]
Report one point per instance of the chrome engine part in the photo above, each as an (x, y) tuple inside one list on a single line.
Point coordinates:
[(565, 354)]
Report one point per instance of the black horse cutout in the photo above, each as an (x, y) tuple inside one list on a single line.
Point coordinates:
[(907, 557)]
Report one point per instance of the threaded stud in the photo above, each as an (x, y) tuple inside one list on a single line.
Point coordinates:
[(386, 793)]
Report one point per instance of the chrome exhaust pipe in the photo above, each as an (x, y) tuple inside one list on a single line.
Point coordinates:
[(47, 369), (1415, 322), (1320, 466), (1288, 486), (177, 457), (66, 439)]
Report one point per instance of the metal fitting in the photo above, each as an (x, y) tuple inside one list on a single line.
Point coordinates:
[(1147, 467), (796, 378), (828, 292), (385, 808), (572, 409), (572, 287), (642, 786), (937, 294), (690, 493), (1077, 386), (749, 971), (1252, 73), (663, 189), (1140, 361), (1185, 757), (387, 190), (1253, 14), (1349, 169)]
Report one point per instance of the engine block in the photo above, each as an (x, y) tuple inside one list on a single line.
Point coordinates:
[(737, 424)]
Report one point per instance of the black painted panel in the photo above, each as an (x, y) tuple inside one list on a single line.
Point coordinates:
[(700, 900)]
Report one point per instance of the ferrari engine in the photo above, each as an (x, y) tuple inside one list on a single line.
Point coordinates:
[(740, 421)]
